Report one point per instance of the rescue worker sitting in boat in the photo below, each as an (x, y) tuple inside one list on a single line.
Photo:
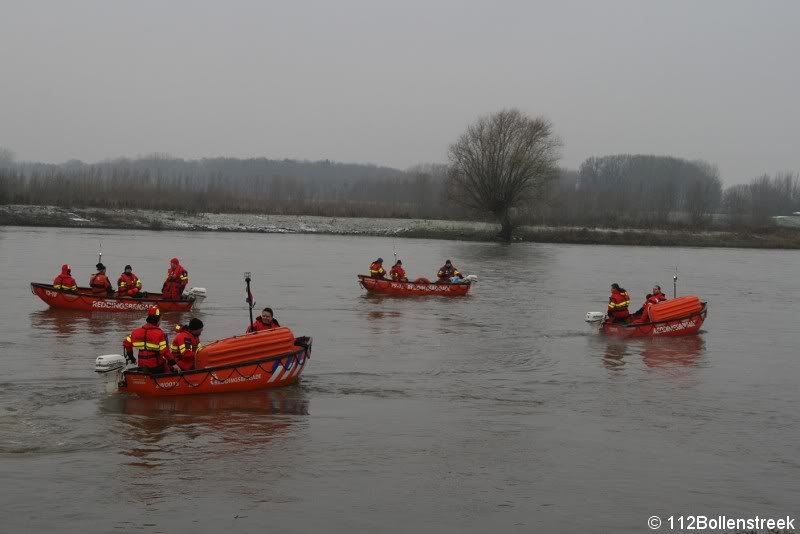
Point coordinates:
[(185, 346), (64, 281), (266, 321), (151, 342), (128, 284), (658, 294), (618, 304), (177, 279), (397, 272), (652, 298), (376, 269), (99, 281), (447, 272)]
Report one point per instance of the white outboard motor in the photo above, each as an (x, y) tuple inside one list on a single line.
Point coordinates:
[(471, 278), (110, 367), (198, 294), (595, 317)]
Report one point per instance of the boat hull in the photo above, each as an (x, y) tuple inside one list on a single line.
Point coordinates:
[(679, 326), (270, 372), (390, 287), (84, 300)]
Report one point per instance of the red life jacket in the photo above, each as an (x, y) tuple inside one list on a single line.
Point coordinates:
[(259, 325), (376, 270), (99, 283), (176, 281), (618, 304), (184, 349), (660, 297), (398, 273), (129, 284), (64, 281), (151, 342)]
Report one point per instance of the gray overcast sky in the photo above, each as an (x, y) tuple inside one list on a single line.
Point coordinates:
[(394, 83)]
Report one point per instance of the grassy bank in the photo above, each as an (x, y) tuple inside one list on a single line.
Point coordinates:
[(18, 215)]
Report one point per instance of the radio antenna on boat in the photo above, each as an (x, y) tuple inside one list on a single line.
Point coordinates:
[(100, 254), (675, 283), (249, 299)]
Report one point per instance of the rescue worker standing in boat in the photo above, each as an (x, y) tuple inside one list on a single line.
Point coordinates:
[(151, 342), (376, 269), (177, 279), (618, 304), (185, 346), (397, 272), (128, 284), (266, 321), (447, 272), (64, 281), (99, 281)]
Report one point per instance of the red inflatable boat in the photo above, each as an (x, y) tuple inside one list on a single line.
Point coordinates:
[(266, 359), (420, 286), (85, 300), (677, 317)]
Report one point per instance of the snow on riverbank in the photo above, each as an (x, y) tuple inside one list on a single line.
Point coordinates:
[(21, 215)]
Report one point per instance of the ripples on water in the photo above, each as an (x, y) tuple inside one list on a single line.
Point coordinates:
[(501, 411)]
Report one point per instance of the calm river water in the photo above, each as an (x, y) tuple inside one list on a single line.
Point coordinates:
[(499, 412)]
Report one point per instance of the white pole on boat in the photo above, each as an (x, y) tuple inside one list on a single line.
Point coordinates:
[(675, 283), (100, 254)]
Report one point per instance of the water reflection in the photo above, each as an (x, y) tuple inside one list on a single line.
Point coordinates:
[(686, 351), (378, 315), (673, 352), (158, 430), (614, 357), (66, 323)]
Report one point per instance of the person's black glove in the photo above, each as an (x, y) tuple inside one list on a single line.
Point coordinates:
[(129, 358)]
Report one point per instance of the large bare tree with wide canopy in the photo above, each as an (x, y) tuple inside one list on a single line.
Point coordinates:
[(501, 161)]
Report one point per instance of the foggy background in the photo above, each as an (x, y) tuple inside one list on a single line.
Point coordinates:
[(395, 83)]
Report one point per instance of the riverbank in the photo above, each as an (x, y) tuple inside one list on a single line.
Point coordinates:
[(23, 215)]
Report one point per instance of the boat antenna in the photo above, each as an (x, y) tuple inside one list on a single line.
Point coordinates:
[(100, 254), (394, 251), (675, 283), (249, 299)]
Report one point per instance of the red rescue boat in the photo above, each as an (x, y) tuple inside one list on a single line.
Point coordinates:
[(83, 299), (677, 317), (420, 286), (266, 359)]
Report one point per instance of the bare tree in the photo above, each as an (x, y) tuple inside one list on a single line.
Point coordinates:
[(501, 161)]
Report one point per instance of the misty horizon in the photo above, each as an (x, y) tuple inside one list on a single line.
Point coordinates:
[(395, 86)]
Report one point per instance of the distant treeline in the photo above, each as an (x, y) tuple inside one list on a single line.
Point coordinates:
[(232, 185), (610, 191)]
